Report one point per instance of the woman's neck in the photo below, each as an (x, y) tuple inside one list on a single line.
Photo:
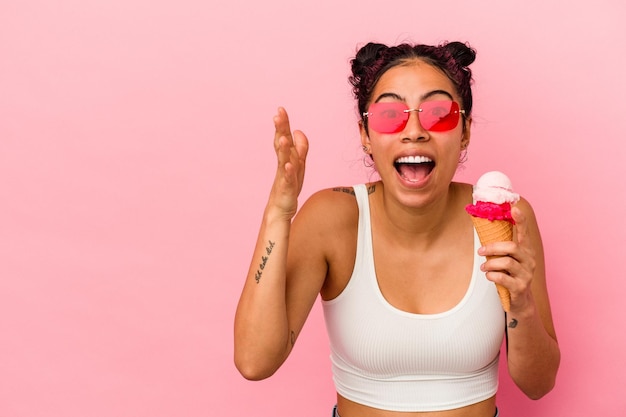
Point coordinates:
[(426, 221)]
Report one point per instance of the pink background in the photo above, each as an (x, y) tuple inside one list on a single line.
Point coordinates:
[(136, 157)]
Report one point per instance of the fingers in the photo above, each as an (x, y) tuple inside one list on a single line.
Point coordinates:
[(283, 152), (511, 265), (281, 124), (291, 152), (291, 148), (508, 256), (292, 159), (508, 265), (507, 271), (500, 249), (519, 247), (514, 264), (302, 144), (521, 224)]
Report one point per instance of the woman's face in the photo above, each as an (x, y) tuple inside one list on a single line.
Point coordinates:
[(415, 162)]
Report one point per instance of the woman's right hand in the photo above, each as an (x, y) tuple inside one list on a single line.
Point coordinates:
[(291, 150), (273, 306)]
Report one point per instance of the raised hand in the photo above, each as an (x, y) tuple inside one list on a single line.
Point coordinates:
[(291, 150)]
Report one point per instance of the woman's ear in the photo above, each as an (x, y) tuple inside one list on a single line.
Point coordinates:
[(365, 139), (467, 133)]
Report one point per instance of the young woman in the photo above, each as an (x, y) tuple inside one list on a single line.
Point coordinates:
[(414, 320)]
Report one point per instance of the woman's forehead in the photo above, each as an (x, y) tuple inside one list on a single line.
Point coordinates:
[(413, 75)]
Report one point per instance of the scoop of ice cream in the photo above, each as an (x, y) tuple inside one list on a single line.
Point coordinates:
[(493, 196), (490, 211), (495, 187)]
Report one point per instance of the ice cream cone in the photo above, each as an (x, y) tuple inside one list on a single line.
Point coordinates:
[(495, 231)]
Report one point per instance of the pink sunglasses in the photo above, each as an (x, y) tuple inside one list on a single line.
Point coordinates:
[(434, 116)]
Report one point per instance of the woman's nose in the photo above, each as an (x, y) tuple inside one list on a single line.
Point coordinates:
[(413, 131)]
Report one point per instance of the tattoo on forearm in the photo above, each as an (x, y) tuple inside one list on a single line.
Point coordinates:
[(513, 324), (268, 251)]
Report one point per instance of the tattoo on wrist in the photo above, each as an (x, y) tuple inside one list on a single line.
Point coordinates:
[(513, 324), (268, 251)]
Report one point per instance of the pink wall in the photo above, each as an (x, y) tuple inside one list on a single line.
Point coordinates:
[(136, 156)]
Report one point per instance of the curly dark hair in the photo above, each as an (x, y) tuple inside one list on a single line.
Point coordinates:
[(374, 59)]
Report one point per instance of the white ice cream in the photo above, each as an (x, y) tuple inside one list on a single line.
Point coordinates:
[(495, 187)]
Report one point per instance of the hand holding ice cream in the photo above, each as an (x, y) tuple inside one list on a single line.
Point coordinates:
[(491, 213)]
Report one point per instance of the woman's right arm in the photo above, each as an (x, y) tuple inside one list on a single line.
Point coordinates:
[(271, 313)]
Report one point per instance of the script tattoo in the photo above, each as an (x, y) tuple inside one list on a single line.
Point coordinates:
[(346, 190), (513, 324), (350, 190), (268, 251)]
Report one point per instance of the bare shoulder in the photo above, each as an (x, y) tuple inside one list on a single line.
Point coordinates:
[(326, 229), (323, 238), (327, 224), (330, 208)]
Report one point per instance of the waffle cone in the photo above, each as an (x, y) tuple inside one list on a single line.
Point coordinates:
[(495, 231)]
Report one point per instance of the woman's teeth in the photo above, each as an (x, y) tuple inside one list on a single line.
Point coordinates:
[(413, 160), (414, 168)]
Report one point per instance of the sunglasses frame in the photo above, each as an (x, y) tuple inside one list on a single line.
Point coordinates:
[(455, 109)]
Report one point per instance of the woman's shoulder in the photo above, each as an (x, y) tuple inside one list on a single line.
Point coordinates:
[(332, 206), (336, 198), (340, 197)]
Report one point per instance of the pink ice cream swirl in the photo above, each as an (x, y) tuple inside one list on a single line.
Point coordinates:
[(491, 211)]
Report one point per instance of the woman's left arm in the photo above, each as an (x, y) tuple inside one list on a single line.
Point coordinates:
[(533, 354)]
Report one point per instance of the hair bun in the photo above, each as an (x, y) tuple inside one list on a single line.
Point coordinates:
[(366, 56), (462, 53)]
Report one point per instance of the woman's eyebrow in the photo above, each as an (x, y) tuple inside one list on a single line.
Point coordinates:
[(422, 98), (436, 92), (391, 95)]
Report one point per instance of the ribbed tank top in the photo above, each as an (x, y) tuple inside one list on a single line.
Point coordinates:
[(390, 359)]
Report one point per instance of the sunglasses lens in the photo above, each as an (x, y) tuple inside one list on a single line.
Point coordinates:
[(439, 116), (387, 117), (434, 116)]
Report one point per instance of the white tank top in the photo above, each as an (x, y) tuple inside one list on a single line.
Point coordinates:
[(390, 359)]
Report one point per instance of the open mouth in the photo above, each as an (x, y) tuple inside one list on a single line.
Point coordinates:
[(414, 168)]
